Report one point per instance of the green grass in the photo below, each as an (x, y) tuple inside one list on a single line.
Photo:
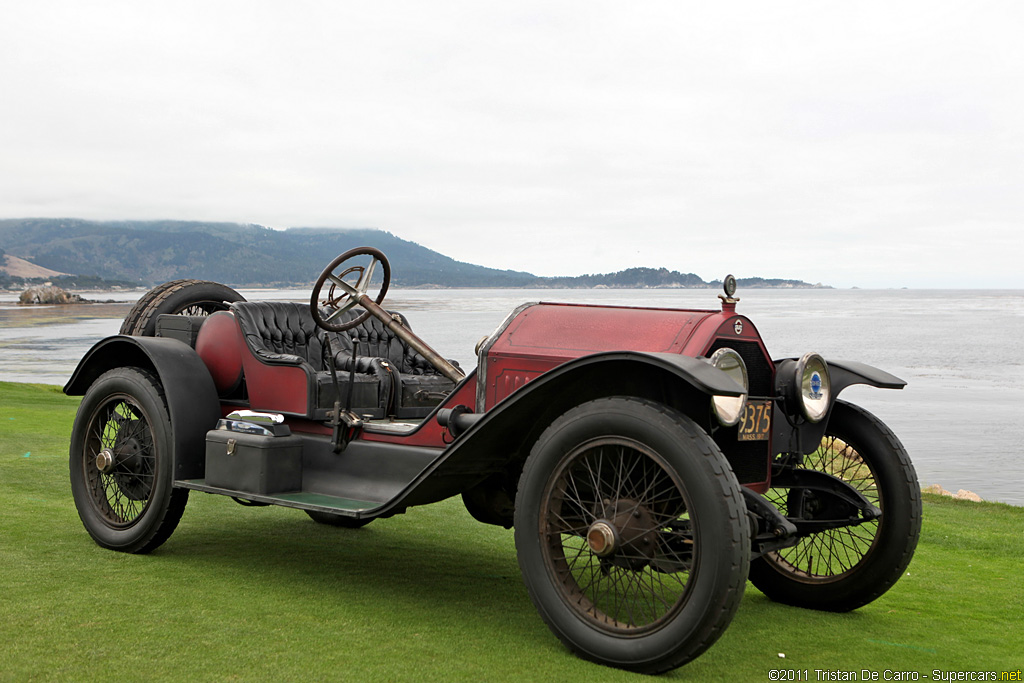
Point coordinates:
[(265, 594)]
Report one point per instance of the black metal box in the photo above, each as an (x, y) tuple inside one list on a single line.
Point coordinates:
[(184, 328), (253, 463)]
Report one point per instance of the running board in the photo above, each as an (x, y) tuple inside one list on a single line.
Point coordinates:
[(302, 500)]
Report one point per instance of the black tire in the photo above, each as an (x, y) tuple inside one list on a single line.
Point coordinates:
[(132, 318), (340, 521), (668, 584), (177, 297), (130, 505), (842, 569)]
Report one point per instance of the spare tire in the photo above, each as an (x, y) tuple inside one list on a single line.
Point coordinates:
[(177, 297)]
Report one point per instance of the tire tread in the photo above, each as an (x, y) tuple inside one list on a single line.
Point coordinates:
[(849, 593), (738, 544), (139, 320), (163, 520)]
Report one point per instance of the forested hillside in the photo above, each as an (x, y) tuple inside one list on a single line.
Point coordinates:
[(143, 253), (241, 255)]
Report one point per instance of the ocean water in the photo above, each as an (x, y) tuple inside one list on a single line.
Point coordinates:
[(961, 416)]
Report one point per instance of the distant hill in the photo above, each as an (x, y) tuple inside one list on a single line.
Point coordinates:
[(149, 252), (144, 253), (20, 268)]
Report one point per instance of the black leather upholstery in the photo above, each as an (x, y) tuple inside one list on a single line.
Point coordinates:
[(281, 332), (377, 341), (284, 333)]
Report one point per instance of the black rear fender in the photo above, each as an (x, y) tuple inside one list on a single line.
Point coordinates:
[(191, 396)]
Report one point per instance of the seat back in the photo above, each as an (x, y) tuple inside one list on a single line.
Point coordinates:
[(378, 341), (404, 383), (274, 328), (279, 328)]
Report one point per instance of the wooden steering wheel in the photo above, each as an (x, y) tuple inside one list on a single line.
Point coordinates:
[(348, 287)]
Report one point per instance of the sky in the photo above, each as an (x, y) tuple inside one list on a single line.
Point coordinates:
[(868, 144)]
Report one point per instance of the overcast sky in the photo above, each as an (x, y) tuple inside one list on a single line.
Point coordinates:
[(871, 144)]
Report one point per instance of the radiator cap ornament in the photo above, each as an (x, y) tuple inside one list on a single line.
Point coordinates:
[(729, 285)]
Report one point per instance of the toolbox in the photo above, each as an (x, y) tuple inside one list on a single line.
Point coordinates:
[(253, 463), (184, 328)]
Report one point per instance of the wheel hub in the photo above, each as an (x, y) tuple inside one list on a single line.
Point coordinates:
[(127, 464), (808, 504), (105, 461), (625, 534), (601, 538)]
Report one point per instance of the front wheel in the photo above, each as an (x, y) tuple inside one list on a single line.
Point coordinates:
[(631, 534), (842, 569), (121, 463)]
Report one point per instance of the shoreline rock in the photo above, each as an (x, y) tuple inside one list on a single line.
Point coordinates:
[(51, 295), (961, 494)]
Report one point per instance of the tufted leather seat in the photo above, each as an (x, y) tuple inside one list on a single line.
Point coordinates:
[(377, 341), (281, 332), (405, 383)]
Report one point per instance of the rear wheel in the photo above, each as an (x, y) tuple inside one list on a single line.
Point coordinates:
[(121, 463), (631, 534), (177, 297), (841, 569)]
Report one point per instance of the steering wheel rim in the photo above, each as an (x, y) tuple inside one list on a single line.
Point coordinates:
[(349, 292)]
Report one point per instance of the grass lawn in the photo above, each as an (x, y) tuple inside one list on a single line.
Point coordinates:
[(266, 594)]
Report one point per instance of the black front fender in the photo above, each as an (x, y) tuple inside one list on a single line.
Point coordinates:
[(498, 441), (192, 401), (845, 373), (797, 435)]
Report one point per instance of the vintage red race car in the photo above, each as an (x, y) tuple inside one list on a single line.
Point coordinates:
[(651, 460)]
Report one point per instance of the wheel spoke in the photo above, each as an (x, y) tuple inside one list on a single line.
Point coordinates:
[(828, 554), (120, 494), (625, 477), (645, 579), (568, 528), (576, 500)]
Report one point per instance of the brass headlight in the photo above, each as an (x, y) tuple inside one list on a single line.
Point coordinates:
[(815, 386), (729, 409)]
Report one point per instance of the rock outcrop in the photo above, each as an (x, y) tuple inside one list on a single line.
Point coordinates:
[(962, 494), (48, 294)]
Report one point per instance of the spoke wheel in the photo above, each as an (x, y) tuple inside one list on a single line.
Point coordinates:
[(618, 535), (122, 480), (841, 569), (120, 463), (631, 534)]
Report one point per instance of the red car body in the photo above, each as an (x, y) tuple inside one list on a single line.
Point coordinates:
[(611, 437)]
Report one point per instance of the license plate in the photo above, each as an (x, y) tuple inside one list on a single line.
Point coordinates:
[(756, 424)]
